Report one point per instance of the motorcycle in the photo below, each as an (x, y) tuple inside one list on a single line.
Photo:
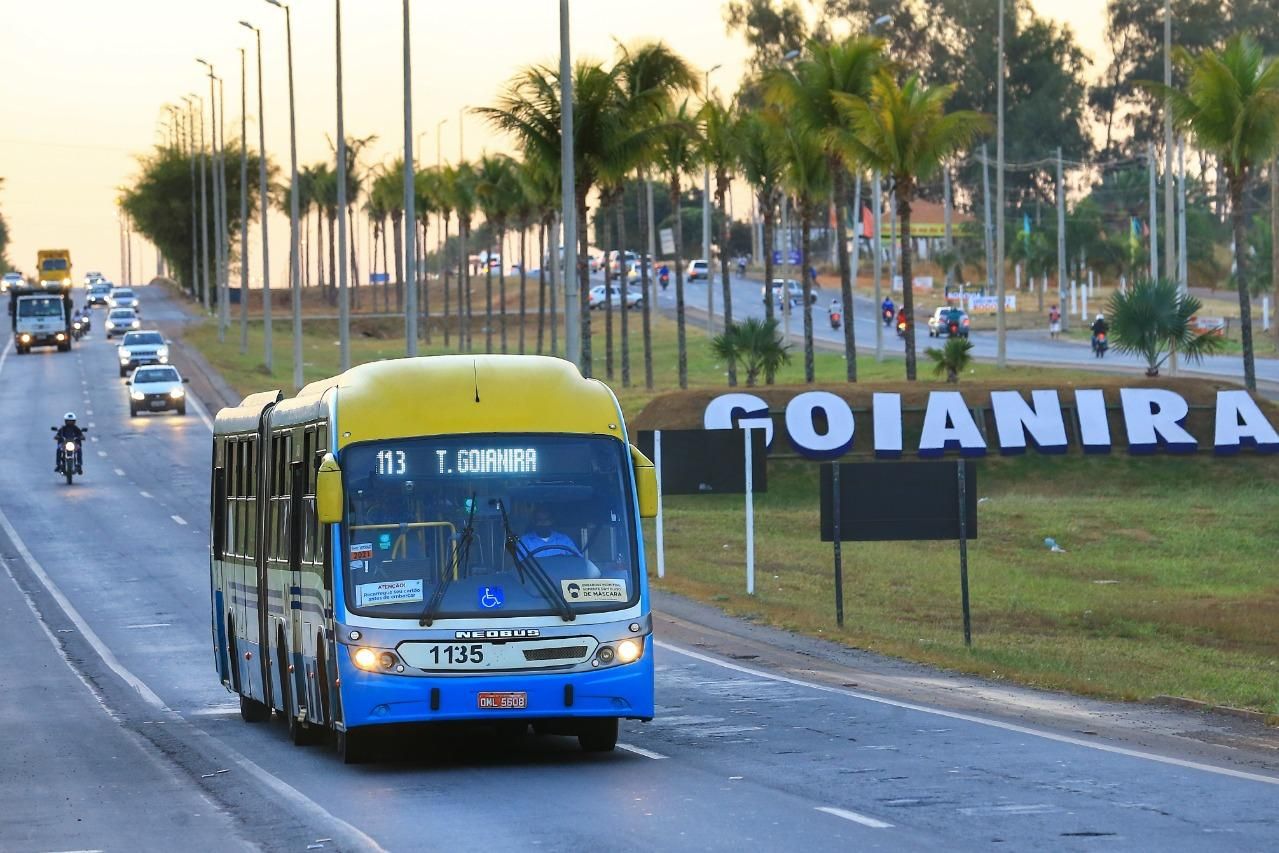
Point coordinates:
[(664, 279), (888, 317), (835, 318), (901, 328), (1099, 345), (69, 457), (77, 328)]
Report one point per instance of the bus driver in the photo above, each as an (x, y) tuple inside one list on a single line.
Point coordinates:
[(544, 541)]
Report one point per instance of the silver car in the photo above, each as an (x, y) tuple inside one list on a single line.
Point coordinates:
[(139, 348), (157, 388), (123, 297), (121, 320)]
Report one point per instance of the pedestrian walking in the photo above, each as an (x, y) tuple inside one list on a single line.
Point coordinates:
[(1054, 322)]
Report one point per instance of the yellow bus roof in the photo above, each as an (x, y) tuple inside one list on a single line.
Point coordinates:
[(449, 394)]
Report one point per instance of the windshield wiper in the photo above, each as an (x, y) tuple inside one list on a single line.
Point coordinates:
[(540, 578), (461, 558)]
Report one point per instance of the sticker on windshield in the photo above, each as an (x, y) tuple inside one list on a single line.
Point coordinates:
[(490, 597), (593, 590), (362, 552), (387, 592)]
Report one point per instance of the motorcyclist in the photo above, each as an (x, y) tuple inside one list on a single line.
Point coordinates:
[(1099, 326), (741, 265), (901, 321), (69, 431), (664, 275), (836, 313), (887, 310)]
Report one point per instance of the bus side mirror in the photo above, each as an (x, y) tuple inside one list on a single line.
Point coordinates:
[(645, 483), (328, 491)]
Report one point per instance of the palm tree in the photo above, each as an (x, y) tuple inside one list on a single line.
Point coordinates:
[(442, 188), (905, 132), (761, 166), (1154, 319), (426, 202), (493, 190), (307, 200), (649, 76), (805, 174), (354, 184), (676, 154), (808, 94), (388, 188), (326, 204), (524, 209), (952, 359), (462, 198), (756, 344), (719, 124), (1231, 106)]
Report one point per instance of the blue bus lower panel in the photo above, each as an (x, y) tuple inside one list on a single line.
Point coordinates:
[(375, 698)]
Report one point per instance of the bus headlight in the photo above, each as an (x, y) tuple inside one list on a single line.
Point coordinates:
[(629, 651), (365, 658)]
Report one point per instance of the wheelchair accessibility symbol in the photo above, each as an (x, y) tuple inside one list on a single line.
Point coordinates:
[(491, 597)]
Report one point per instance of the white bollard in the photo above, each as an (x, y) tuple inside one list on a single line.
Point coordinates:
[(750, 516), (1017, 276), (1265, 313), (1083, 310), (1074, 300), (1091, 292)]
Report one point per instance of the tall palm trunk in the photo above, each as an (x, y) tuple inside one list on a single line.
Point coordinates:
[(904, 199), (583, 273), (333, 251), (680, 338), (501, 282), (560, 260), (466, 267), (488, 298), (806, 245), (602, 219), (645, 286), (845, 267), (541, 285), (625, 287), (1236, 181), (766, 208), (350, 242), (423, 282), (523, 281), (721, 193), (444, 274)]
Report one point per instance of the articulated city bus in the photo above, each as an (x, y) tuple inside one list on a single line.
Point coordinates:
[(432, 539)]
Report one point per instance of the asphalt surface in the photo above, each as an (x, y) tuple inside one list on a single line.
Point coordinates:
[(119, 736)]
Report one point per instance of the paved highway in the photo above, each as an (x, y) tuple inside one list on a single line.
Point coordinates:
[(119, 736)]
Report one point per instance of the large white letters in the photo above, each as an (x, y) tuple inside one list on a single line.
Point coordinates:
[(887, 411), (1153, 417), (947, 425), (1094, 429), (739, 410), (802, 429), (1014, 420), (1240, 422)]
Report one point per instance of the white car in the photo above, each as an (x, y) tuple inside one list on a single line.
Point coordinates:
[(11, 280), (157, 388), (121, 320), (699, 270), (793, 290), (634, 297), (123, 297), (141, 348)]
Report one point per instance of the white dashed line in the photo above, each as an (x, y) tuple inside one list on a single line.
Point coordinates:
[(149, 625), (102, 453), (873, 823), (92, 424), (119, 472), (88, 411), (639, 750), (146, 494), (179, 519)]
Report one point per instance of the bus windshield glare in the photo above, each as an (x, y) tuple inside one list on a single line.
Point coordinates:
[(489, 526)]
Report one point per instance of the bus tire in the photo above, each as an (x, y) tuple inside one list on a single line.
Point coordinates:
[(253, 711), (352, 745), (597, 735)]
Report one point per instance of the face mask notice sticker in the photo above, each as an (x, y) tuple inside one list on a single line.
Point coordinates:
[(362, 552), (387, 592), (593, 590)]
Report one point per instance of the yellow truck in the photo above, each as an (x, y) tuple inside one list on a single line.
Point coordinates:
[(53, 267)]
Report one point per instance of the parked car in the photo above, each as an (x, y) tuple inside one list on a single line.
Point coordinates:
[(122, 320), (699, 270), (157, 388), (792, 290), (945, 319), (139, 348), (634, 297)]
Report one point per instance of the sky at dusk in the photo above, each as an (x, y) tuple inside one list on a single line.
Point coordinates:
[(86, 81)]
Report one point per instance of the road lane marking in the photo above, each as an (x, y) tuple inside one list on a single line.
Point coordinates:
[(179, 519), (88, 411), (639, 750), (145, 494), (102, 453), (4, 354), (119, 472), (356, 838), (202, 412), (972, 718), (92, 424), (873, 823), (149, 625)]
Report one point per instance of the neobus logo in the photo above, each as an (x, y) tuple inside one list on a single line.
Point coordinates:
[(503, 634)]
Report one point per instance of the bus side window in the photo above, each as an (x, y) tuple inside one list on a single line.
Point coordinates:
[(219, 510), (295, 515)]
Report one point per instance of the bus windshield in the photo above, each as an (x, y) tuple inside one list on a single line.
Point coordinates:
[(489, 526), (47, 307)]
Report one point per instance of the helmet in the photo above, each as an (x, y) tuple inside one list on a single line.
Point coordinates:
[(1100, 317), (69, 417)]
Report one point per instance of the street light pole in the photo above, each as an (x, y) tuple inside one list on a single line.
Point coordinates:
[(244, 205), (344, 296), (706, 227), (224, 250), (568, 191), (195, 269), (1001, 333), (264, 211), (410, 215), (295, 274), (1170, 240), (204, 215), (441, 237)]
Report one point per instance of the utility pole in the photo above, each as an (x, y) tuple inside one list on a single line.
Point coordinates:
[(1154, 229), (948, 233), (1001, 319), (295, 271), (344, 295), (568, 191), (410, 215), (877, 265), (1169, 238), (988, 232), (264, 210), (224, 241), (244, 205), (1061, 241), (204, 216), (706, 230), (1183, 270), (217, 207)]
